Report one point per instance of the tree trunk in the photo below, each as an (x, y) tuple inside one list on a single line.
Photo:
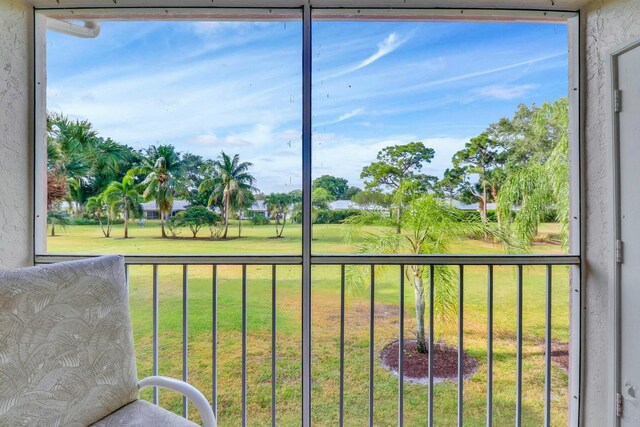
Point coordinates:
[(162, 221), (482, 208), (484, 202), (53, 229), (226, 218), (494, 194), (126, 220), (104, 232), (239, 225), (284, 220), (418, 289)]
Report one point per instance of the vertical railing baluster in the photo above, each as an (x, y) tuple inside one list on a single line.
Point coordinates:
[(401, 352), (519, 350), (273, 344), (431, 335), (547, 353), (155, 329), (460, 344), (214, 341), (490, 346), (342, 283), (244, 345), (126, 276), (372, 316), (185, 328)]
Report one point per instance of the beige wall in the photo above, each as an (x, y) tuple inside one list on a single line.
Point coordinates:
[(16, 183), (608, 25)]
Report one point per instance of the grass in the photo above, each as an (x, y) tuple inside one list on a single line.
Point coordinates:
[(326, 324)]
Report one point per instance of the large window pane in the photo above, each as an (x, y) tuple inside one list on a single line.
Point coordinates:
[(451, 117), (146, 121)]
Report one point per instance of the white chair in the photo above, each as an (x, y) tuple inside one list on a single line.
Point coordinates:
[(66, 351)]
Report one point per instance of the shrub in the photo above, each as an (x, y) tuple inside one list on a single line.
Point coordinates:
[(259, 219), (325, 216), (195, 217), (92, 221)]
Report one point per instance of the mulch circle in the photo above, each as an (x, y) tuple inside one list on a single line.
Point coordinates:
[(416, 365)]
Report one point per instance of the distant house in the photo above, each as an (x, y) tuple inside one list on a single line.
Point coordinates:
[(259, 207), (151, 211), (340, 205), (471, 207)]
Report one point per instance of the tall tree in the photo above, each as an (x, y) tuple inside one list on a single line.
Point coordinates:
[(86, 161), (448, 186), (396, 166), (124, 193), (163, 168), (228, 180), (321, 197), (483, 158), (337, 187), (542, 182)]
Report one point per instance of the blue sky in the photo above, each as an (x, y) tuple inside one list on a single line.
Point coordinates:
[(232, 86)]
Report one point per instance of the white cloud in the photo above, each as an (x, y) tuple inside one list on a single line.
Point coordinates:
[(488, 72), (350, 114), (505, 92), (385, 47)]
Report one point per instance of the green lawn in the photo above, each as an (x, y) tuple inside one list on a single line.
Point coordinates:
[(326, 323)]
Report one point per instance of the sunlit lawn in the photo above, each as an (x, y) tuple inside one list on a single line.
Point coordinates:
[(326, 324)]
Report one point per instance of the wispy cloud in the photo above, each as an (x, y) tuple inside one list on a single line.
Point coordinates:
[(385, 47), (350, 114), (505, 93), (468, 76)]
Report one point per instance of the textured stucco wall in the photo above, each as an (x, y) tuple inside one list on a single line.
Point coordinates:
[(608, 25), (16, 189)]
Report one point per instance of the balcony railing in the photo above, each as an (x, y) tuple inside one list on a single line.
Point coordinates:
[(460, 262)]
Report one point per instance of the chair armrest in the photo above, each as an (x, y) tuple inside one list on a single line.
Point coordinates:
[(187, 390)]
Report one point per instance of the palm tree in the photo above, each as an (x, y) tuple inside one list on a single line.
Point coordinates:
[(86, 161), (428, 226), (126, 194), (163, 168), (278, 204), (99, 207), (57, 217), (228, 181)]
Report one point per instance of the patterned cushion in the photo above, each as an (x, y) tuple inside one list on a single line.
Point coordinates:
[(143, 414), (66, 346)]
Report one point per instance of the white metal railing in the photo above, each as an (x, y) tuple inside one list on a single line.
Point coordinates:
[(461, 261)]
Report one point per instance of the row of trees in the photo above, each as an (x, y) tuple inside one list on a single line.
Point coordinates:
[(104, 179)]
